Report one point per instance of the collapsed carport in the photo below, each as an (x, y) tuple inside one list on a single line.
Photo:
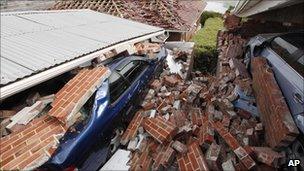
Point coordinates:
[(42, 46)]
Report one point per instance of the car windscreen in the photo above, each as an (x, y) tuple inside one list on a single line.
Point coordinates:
[(290, 47)]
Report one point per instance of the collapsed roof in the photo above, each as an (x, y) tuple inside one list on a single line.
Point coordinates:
[(171, 15)]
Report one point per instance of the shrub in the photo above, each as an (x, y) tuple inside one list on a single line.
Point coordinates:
[(205, 53), (209, 14)]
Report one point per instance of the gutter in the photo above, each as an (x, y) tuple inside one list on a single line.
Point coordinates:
[(252, 7), (23, 84)]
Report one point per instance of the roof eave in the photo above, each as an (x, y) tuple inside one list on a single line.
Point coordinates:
[(25, 83)]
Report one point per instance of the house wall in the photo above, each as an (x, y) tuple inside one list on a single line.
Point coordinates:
[(184, 36)]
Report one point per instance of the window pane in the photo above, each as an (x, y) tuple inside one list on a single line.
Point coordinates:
[(117, 86), (135, 73), (127, 69)]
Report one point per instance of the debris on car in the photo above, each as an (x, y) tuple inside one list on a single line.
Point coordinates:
[(35, 133)]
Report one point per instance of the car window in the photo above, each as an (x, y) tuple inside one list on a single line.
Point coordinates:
[(118, 85), (133, 69), (290, 48), (128, 68)]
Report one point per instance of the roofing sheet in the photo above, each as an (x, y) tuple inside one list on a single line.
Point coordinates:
[(34, 41)]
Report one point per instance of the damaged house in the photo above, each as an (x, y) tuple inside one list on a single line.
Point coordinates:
[(181, 19), (51, 64)]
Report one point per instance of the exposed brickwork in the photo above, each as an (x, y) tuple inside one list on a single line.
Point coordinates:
[(75, 93), (164, 158), (131, 131), (231, 21), (179, 118), (280, 129), (213, 156), (171, 80), (206, 133), (159, 129), (24, 149), (180, 147), (194, 160), (268, 156), (196, 116), (235, 146)]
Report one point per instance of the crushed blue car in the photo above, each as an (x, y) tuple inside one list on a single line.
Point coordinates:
[(105, 116)]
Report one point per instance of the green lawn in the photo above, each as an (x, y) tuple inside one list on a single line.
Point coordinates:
[(205, 45), (205, 38)]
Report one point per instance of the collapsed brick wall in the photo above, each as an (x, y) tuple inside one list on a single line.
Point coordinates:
[(280, 127), (75, 93), (32, 146), (213, 133)]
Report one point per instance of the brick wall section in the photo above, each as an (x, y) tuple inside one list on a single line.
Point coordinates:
[(196, 116), (131, 131), (76, 92), (160, 129), (280, 129), (268, 156), (194, 160), (206, 133), (142, 160), (24, 149), (164, 158), (241, 153)]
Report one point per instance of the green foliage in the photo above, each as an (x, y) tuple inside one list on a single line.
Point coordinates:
[(209, 14), (230, 8), (205, 45)]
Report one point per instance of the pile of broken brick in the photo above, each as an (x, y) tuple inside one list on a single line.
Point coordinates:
[(201, 124)]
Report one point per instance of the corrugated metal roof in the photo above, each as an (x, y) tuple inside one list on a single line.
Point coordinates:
[(34, 41)]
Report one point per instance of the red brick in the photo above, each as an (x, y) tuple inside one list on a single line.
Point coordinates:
[(132, 128), (241, 153), (268, 156), (159, 129), (206, 133), (14, 163), (171, 80), (29, 160), (193, 160), (180, 147), (213, 156), (148, 106), (164, 157), (156, 84), (280, 128), (196, 116), (28, 140), (74, 91)]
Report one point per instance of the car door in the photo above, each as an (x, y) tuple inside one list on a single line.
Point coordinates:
[(284, 54)]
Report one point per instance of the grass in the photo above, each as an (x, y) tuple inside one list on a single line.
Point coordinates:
[(205, 45)]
